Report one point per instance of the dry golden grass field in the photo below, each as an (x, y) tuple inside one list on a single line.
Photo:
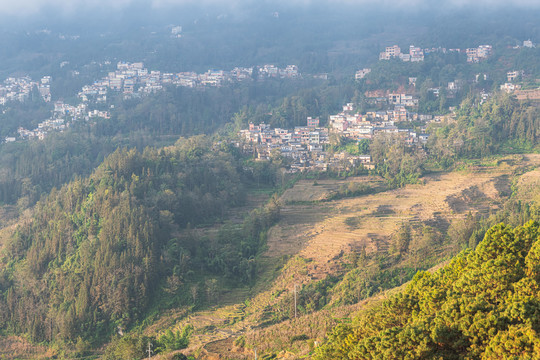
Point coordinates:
[(313, 239), (314, 236)]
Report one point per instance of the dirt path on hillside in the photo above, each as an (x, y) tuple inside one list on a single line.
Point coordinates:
[(320, 233)]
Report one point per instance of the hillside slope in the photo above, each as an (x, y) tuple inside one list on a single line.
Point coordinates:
[(342, 254), (483, 305)]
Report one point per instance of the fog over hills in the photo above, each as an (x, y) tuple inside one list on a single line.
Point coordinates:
[(28, 7), (319, 36)]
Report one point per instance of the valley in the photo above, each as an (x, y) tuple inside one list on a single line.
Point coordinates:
[(360, 185)]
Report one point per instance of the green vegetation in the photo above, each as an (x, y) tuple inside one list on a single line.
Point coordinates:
[(311, 99), (502, 124), (339, 144), (352, 189), (27, 114), (33, 168), (185, 111), (482, 305), (136, 346), (117, 220), (98, 251), (398, 163), (178, 340)]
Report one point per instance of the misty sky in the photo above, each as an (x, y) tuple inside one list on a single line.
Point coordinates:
[(66, 7)]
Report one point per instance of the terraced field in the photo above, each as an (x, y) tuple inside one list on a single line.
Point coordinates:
[(323, 231), (316, 234)]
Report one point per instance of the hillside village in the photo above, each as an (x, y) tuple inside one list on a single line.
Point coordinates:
[(133, 79), (354, 126), (416, 54), (307, 146), (20, 89), (172, 187), (62, 116)]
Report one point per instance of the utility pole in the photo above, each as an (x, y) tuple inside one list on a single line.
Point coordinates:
[(295, 301), (50, 330), (149, 350)]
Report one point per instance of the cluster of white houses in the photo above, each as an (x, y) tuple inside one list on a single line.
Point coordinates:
[(416, 54), (478, 54), (134, 79), (79, 112), (42, 130), (512, 76), (63, 114), (305, 145), (528, 44), (129, 78), (357, 126), (19, 89)]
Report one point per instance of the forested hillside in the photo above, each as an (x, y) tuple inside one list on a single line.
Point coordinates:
[(97, 251), (257, 180), (30, 169), (98, 254), (500, 125), (483, 305)]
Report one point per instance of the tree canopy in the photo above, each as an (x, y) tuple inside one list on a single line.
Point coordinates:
[(483, 305)]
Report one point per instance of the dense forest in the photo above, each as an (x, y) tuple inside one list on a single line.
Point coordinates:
[(500, 125), (483, 305), (98, 250), (30, 169)]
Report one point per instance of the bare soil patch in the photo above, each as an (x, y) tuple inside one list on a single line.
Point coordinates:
[(14, 347)]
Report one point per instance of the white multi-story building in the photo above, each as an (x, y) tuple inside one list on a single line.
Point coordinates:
[(482, 52), (360, 74), (513, 75), (390, 52)]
